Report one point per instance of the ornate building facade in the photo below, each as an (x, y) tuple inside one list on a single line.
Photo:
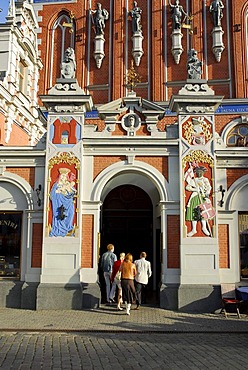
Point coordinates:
[(123, 122)]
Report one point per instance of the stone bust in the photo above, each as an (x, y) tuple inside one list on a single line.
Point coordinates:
[(68, 66)]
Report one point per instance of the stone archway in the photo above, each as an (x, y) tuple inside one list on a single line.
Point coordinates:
[(127, 222), (153, 183)]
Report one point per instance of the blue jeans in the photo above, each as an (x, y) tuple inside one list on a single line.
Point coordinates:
[(110, 292)]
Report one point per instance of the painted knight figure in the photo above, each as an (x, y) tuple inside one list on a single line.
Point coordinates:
[(199, 207)]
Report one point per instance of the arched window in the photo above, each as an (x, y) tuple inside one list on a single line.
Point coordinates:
[(62, 37), (238, 136)]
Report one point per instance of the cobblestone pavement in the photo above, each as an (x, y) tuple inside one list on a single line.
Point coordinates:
[(23, 351), (104, 338), (107, 318)]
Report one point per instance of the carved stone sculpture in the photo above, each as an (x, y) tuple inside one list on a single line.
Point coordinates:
[(217, 13), (137, 38), (177, 13), (68, 66), (135, 13), (99, 18), (216, 10), (194, 65)]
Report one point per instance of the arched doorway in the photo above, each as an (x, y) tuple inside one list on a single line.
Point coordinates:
[(127, 222)]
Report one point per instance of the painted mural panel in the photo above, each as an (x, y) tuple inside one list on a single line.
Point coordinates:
[(198, 185), (197, 131), (65, 131), (62, 215)]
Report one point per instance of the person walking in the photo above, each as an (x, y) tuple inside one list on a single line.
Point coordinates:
[(107, 262), (143, 268), (116, 278), (128, 272)]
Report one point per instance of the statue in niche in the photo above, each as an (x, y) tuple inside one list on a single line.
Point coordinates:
[(62, 197), (217, 12), (194, 65), (177, 13), (68, 66), (199, 206), (100, 16), (135, 13)]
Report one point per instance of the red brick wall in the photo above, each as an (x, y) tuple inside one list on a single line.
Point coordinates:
[(119, 28), (36, 259), (17, 137), (234, 174), (2, 134), (27, 173), (224, 261), (100, 163), (87, 241), (160, 163), (161, 70), (159, 36), (173, 243), (222, 121), (157, 58), (239, 10)]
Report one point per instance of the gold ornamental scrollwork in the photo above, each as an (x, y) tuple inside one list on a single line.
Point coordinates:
[(64, 157), (189, 130), (198, 156)]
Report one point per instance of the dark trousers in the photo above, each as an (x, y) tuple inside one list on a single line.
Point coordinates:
[(139, 288)]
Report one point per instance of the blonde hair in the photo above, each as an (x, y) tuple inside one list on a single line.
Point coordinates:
[(128, 257), (110, 247), (122, 256), (143, 254)]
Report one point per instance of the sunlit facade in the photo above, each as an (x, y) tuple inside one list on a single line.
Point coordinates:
[(123, 123)]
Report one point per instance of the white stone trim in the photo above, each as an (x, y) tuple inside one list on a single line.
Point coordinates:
[(139, 167)]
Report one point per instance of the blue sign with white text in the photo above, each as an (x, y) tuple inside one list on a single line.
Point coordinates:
[(52, 1)]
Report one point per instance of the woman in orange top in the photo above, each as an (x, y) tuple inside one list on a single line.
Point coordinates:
[(128, 272)]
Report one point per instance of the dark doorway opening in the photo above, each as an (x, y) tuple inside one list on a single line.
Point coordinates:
[(127, 222)]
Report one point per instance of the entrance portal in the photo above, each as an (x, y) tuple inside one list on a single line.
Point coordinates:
[(127, 222)]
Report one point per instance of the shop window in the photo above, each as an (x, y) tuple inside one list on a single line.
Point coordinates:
[(238, 136), (243, 241), (10, 244)]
